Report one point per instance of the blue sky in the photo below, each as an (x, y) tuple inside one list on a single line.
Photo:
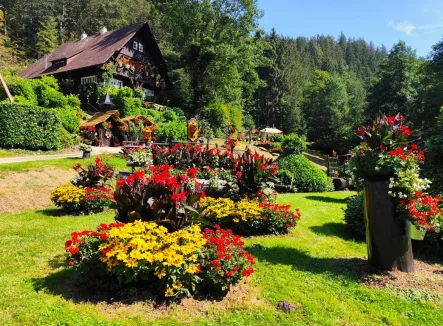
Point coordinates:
[(418, 23)]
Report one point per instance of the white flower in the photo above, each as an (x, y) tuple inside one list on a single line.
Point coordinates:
[(389, 192)]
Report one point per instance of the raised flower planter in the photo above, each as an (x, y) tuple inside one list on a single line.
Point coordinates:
[(397, 210), (388, 245)]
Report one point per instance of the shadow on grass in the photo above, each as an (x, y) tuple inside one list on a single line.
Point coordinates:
[(52, 212), (353, 268), (327, 199), (79, 289), (72, 286), (334, 230)]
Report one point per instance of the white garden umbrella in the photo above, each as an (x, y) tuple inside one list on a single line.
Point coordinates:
[(271, 131)]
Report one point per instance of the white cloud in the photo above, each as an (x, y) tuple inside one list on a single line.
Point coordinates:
[(403, 27)]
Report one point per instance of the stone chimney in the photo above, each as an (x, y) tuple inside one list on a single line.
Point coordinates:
[(83, 36)]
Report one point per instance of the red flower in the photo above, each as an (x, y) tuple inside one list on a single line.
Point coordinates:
[(139, 174), (215, 263), (418, 194), (68, 243), (178, 197), (73, 250), (414, 146), (229, 274), (103, 236), (192, 172), (238, 175), (259, 192), (77, 166), (235, 269)]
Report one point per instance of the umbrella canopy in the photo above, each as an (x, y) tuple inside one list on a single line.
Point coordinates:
[(271, 131)]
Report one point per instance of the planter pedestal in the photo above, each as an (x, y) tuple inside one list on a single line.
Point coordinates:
[(388, 245), (86, 155)]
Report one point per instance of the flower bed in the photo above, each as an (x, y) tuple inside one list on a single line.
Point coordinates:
[(78, 200), (248, 217), (171, 264), (88, 192)]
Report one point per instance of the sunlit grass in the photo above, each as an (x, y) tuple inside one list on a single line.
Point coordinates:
[(309, 267)]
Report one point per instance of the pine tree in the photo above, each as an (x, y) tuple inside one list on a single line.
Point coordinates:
[(47, 37)]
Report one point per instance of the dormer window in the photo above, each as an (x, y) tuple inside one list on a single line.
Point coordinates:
[(135, 47), (59, 63)]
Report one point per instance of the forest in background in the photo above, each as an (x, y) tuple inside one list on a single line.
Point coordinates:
[(225, 69)]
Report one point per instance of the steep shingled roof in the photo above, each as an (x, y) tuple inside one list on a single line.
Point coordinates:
[(94, 50)]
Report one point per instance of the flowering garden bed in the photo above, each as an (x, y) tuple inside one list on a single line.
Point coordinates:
[(170, 237)]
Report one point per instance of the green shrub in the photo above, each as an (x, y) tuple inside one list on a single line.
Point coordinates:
[(28, 127), (355, 215), (66, 139), (180, 114), (22, 87), (69, 117), (169, 116), (156, 116), (278, 138), (293, 144), (307, 177), (131, 106), (235, 116), (49, 97), (220, 115), (433, 167), (171, 130)]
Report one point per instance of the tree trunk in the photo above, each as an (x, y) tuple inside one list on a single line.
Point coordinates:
[(388, 245)]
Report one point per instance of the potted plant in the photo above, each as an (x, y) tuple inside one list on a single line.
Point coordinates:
[(386, 165), (86, 148)]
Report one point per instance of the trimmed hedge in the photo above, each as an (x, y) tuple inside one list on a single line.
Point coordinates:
[(306, 176), (29, 127)]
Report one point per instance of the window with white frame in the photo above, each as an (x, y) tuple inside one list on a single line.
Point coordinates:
[(140, 47), (135, 46), (116, 83), (88, 80)]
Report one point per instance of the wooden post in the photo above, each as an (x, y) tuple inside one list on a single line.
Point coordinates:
[(388, 245), (5, 87)]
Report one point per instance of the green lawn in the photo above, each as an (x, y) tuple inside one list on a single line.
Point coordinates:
[(63, 163), (310, 267)]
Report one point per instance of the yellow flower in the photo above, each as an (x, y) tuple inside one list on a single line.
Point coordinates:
[(169, 292), (177, 285), (191, 269), (160, 272)]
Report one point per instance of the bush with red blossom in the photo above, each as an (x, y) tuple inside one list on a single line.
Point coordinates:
[(83, 252), (224, 262), (95, 174), (159, 196)]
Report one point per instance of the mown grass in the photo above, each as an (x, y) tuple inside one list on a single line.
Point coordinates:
[(63, 163), (311, 267)]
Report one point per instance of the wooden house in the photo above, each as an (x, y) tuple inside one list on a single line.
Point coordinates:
[(133, 51)]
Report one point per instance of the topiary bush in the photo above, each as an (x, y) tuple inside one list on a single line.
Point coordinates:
[(293, 144), (28, 127), (171, 130), (306, 176), (354, 215)]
